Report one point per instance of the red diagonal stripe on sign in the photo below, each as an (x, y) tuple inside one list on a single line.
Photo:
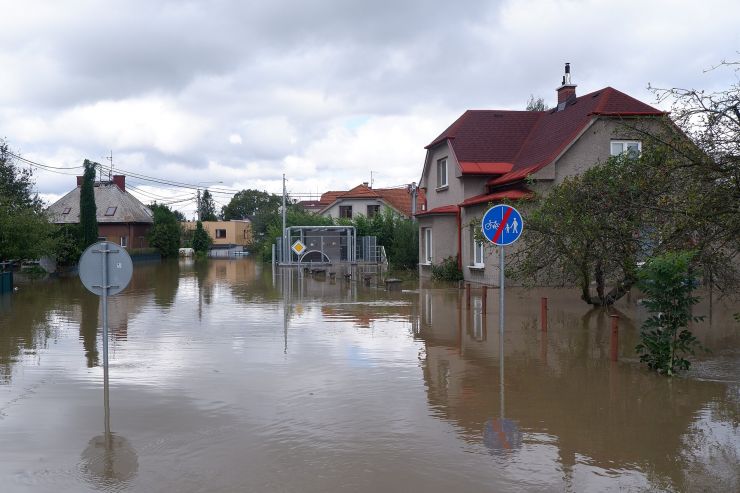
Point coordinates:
[(503, 223)]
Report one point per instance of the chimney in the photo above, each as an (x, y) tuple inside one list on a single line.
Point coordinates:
[(120, 182), (80, 179), (364, 183), (567, 90)]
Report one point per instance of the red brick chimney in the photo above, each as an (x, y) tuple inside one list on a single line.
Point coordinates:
[(567, 90), (120, 181)]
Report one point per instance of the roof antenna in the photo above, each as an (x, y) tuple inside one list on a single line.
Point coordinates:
[(110, 170)]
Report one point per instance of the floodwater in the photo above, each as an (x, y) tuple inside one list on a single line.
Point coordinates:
[(225, 377)]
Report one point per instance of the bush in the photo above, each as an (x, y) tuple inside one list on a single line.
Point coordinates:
[(668, 283), (448, 270)]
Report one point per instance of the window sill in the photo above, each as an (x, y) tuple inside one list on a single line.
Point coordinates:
[(441, 189), (477, 267), (425, 264)]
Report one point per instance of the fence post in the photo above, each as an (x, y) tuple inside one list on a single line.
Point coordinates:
[(467, 296), (543, 314), (615, 338)]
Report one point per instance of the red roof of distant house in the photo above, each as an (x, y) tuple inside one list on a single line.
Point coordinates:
[(445, 209), (514, 144), (398, 198)]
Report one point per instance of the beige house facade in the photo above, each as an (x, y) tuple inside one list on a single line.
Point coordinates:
[(226, 233), (488, 157)]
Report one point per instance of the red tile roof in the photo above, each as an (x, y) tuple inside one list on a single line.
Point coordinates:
[(489, 141), (514, 194), (398, 198), (445, 209)]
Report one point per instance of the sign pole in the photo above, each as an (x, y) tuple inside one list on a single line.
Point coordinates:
[(104, 300), (104, 288), (501, 294)]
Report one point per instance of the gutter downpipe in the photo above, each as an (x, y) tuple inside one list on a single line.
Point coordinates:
[(459, 238)]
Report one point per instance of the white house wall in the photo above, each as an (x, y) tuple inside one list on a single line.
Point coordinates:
[(359, 206), (454, 193)]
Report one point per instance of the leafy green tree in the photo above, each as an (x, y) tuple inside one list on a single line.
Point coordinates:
[(207, 207), (88, 210), (201, 240), (165, 232), (665, 339), (67, 244), (24, 228), (250, 203)]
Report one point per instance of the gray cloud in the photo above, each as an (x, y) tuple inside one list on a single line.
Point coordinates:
[(252, 89)]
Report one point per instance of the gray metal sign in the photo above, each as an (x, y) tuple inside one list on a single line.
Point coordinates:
[(105, 265)]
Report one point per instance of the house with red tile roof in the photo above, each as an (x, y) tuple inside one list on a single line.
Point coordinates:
[(489, 156), (367, 201)]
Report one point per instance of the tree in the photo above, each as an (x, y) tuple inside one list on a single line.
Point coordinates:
[(165, 232), (665, 339), (88, 210), (24, 228), (207, 207), (250, 203), (536, 104), (201, 240)]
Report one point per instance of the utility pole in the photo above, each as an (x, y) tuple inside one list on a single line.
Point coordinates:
[(284, 247)]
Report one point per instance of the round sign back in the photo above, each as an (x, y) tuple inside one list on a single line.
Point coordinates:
[(105, 255)]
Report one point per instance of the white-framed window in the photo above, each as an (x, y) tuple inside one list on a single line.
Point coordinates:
[(345, 211), (442, 172), (631, 147), (478, 253), (124, 241), (427, 245)]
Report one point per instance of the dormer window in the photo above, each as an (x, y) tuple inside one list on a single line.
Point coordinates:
[(110, 211), (442, 173), (631, 147), (66, 210)]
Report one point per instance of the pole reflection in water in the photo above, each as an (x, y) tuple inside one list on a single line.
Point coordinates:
[(109, 459), (501, 435)]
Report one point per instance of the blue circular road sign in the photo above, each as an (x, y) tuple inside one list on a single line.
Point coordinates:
[(502, 225)]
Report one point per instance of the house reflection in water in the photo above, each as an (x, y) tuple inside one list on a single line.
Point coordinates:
[(573, 398)]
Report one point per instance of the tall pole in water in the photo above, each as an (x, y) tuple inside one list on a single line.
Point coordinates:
[(501, 294), (284, 247)]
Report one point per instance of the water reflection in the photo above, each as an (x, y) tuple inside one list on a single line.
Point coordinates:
[(596, 413), (109, 461), (233, 376)]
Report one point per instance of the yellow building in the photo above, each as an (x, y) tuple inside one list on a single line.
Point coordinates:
[(225, 233)]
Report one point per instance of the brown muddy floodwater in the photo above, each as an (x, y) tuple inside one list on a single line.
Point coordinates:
[(227, 378)]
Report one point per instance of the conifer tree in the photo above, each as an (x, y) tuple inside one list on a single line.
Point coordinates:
[(88, 210)]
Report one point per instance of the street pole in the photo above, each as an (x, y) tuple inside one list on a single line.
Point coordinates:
[(284, 247), (501, 295)]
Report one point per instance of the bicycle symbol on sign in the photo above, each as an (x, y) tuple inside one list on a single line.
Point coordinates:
[(491, 225)]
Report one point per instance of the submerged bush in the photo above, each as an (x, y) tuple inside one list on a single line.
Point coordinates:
[(447, 270), (665, 340)]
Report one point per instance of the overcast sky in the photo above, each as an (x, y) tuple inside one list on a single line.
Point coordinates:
[(324, 91)]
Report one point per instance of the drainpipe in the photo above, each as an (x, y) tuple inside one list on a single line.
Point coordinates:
[(459, 239)]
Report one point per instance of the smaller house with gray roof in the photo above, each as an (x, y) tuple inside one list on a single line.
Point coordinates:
[(122, 218)]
